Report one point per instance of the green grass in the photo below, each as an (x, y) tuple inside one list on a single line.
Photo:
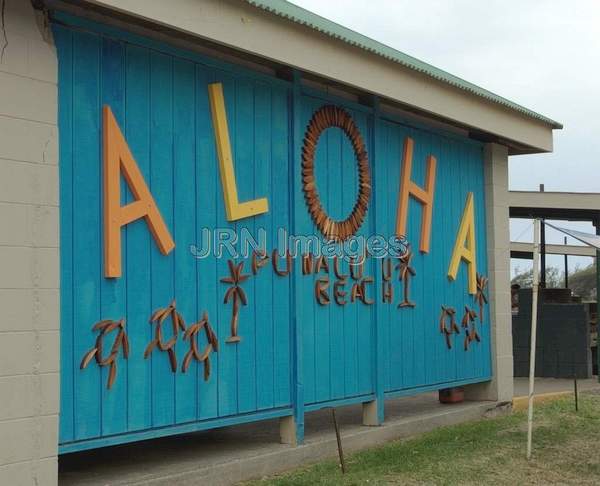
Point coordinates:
[(488, 451)]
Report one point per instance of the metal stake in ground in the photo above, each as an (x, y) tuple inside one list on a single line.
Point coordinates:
[(339, 441), (576, 394)]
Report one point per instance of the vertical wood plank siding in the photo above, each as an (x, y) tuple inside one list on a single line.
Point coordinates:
[(160, 100)]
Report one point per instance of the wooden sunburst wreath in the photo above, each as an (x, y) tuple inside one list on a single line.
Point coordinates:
[(106, 327), (326, 117)]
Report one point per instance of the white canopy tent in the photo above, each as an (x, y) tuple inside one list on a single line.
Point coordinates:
[(587, 238)]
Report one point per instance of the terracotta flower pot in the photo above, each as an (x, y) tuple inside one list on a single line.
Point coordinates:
[(452, 395)]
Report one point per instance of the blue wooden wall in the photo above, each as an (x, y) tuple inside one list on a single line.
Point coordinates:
[(295, 355), (337, 357), (414, 351)]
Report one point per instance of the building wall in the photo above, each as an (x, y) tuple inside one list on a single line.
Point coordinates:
[(562, 343), (29, 256), (498, 253), (353, 351), (29, 259)]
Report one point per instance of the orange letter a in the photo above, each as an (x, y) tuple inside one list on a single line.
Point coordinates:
[(117, 157)]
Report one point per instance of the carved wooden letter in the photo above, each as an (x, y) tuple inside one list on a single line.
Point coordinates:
[(387, 292), (259, 260), (321, 294), (117, 159), (339, 294), (288, 260), (234, 208), (363, 284), (464, 247), (423, 195), (307, 264)]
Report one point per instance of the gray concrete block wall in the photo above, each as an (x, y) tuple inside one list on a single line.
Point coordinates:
[(29, 255), (563, 339), (498, 254)]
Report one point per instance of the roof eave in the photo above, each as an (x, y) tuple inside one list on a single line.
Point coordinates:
[(304, 17)]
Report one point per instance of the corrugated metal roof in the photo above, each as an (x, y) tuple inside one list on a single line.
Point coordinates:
[(297, 14)]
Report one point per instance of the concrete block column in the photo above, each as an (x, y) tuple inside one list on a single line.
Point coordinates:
[(287, 430), (370, 413), (29, 254), (498, 254)]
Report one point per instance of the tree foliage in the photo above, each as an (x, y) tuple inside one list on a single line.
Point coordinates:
[(554, 278), (581, 281)]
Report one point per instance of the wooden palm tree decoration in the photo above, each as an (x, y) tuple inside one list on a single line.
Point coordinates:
[(121, 341), (236, 295), (405, 273), (447, 328), (159, 316), (468, 322), (212, 344), (480, 296)]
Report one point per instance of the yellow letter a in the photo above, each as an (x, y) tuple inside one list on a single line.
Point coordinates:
[(464, 247), (117, 157)]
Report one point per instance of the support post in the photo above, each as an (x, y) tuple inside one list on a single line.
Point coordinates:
[(500, 388), (543, 249), (296, 195), (543, 254), (373, 412), (532, 346), (287, 430), (566, 267), (370, 413)]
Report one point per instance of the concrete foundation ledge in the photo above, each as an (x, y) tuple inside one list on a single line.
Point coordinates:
[(522, 403), (227, 456)]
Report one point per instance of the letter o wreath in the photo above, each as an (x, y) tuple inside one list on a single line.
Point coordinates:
[(325, 117)]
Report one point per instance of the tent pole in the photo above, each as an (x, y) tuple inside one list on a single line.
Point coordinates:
[(597, 225), (542, 249), (543, 255), (566, 267), (534, 307)]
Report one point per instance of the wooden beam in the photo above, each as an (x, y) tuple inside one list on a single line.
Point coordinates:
[(526, 250)]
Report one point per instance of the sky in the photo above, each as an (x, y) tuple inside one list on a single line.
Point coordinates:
[(542, 54)]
